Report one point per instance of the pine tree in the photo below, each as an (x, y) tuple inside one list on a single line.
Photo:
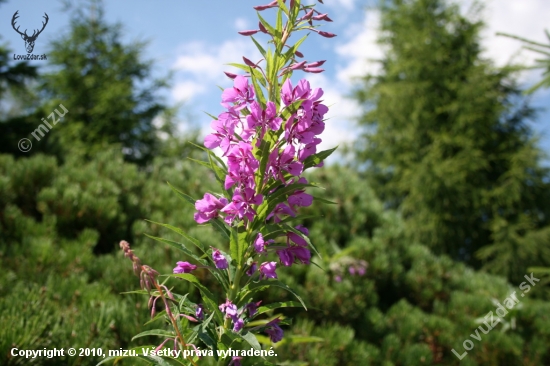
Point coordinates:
[(107, 87), (448, 143)]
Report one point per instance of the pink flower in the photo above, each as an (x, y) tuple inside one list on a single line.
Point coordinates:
[(267, 270), (263, 118), (219, 259), (241, 205), (241, 93), (208, 208), (184, 267), (274, 330)]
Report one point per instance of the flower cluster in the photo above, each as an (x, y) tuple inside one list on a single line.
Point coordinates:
[(266, 137)]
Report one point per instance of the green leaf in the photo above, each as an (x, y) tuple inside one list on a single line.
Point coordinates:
[(303, 236), (283, 7), (155, 332), (211, 116), (197, 243), (277, 305), (218, 172), (203, 163), (211, 154), (318, 158), (179, 246), (183, 196), (259, 46), (269, 28), (249, 338), (261, 285), (209, 299), (292, 50), (322, 200), (220, 227), (257, 89), (263, 156), (257, 74), (279, 21), (238, 244)]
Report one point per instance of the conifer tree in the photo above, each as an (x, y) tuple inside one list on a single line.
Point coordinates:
[(106, 85), (448, 142)]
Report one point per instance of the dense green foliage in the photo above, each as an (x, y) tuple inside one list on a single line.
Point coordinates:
[(449, 142), (451, 153), (409, 300)]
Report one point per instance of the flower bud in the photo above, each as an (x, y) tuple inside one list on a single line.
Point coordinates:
[(316, 63), (230, 75), (248, 32), (263, 29), (313, 70), (248, 62)]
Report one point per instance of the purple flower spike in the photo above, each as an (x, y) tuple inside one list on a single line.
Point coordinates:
[(184, 267), (267, 270), (219, 259), (274, 330)]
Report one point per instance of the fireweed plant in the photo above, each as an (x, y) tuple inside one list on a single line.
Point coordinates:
[(268, 136)]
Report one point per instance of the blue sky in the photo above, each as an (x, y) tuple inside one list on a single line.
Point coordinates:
[(195, 38)]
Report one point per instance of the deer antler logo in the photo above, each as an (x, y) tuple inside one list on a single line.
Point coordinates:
[(29, 40)]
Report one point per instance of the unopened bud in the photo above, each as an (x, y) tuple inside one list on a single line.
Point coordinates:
[(316, 63), (248, 32), (248, 62), (322, 17), (327, 34), (299, 65), (230, 75), (313, 70), (263, 29)]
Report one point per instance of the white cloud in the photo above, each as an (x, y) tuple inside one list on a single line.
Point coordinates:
[(346, 4), (241, 24), (525, 18), (361, 50), (187, 89), (201, 65), (342, 111)]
